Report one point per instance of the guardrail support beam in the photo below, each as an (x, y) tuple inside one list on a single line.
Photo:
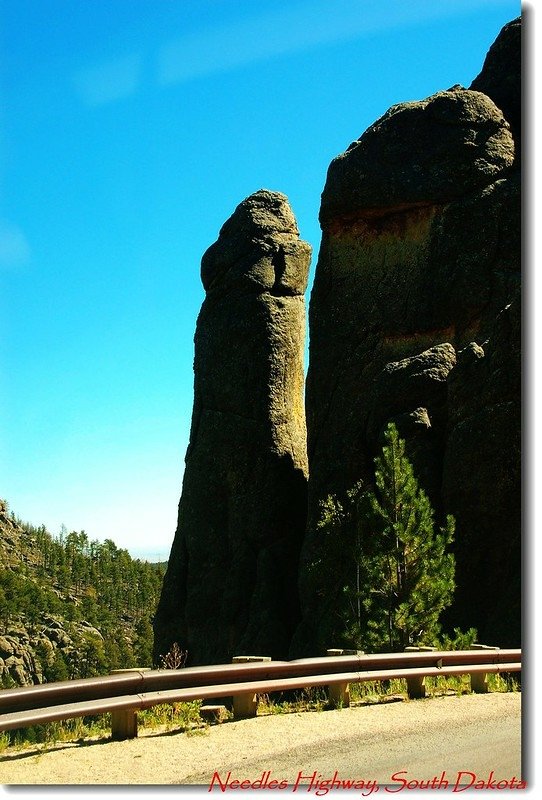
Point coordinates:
[(339, 693), (478, 680), (123, 724), (246, 705), (416, 686)]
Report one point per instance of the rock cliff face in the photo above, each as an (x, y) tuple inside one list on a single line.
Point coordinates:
[(415, 318), (230, 588)]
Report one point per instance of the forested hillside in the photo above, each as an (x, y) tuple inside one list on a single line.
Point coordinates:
[(70, 606)]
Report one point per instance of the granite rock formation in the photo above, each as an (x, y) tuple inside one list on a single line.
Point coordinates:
[(414, 318), (500, 78), (28, 650), (230, 587)]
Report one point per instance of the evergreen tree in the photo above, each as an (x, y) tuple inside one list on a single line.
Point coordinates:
[(406, 575), (58, 670), (144, 642), (337, 556)]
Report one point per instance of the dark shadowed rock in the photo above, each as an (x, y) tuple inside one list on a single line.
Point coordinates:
[(482, 480), (500, 77), (420, 255), (230, 588), (406, 383), (397, 396)]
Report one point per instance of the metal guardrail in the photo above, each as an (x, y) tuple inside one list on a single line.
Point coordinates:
[(123, 695)]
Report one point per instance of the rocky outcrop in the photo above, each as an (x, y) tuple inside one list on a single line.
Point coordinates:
[(414, 317), (230, 588), (436, 150), (500, 77), (18, 662), (30, 653)]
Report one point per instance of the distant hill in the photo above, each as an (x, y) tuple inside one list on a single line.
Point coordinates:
[(71, 607)]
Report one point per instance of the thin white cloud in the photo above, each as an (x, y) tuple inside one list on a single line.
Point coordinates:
[(290, 28), (293, 29), (14, 247), (110, 81)]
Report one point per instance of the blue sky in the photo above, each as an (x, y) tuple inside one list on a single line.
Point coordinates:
[(129, 131)]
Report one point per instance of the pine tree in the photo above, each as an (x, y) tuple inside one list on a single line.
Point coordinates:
[(143, 642), (406, 575)]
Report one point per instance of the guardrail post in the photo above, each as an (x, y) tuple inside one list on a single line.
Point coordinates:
[(339, 693), (124, 724), (478, 680), (124, 720), (245, 705), (416, 685)]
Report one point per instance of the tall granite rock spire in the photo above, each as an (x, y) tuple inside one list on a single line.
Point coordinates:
[(414, 318), (231, 584)]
